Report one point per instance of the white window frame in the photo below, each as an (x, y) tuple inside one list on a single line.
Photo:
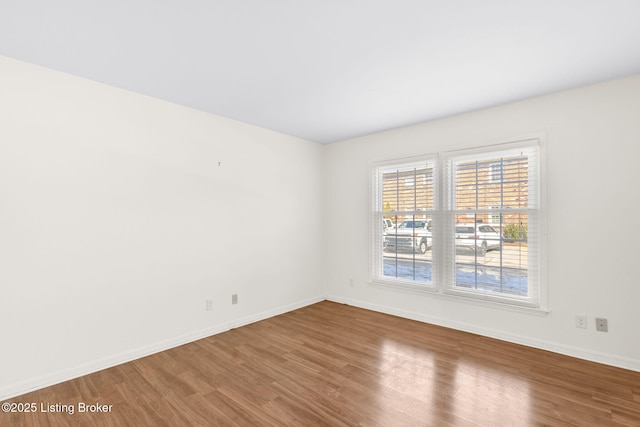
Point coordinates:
[(443, 265), (379, 213)]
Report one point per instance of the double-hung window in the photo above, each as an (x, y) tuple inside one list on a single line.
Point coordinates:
[(405, 196), (469, 223)]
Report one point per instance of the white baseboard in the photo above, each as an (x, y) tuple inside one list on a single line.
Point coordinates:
[(607, 359), (13, 390)]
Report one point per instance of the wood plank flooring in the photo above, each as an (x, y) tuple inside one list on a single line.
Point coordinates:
[(336, 365)]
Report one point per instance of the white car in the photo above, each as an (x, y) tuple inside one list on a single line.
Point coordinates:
[(479, 238), (410, 235)]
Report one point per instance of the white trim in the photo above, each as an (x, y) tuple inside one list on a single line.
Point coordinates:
[(17, 389), (506, 143), (407, 162), (460, 297), (377, 168), (567, 350), (407, 285), (443, 212)]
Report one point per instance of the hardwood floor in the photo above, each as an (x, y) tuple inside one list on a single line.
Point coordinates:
[(336, 365)]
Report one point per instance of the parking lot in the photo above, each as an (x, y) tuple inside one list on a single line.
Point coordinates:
[(513, 255), (497, 271)]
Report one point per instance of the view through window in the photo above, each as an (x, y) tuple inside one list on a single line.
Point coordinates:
[(464, 222), (407, 200)]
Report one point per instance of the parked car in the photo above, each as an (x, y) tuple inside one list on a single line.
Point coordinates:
[(387, 224), (477, 237), (409, 235)]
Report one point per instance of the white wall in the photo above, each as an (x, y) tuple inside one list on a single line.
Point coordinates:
[(116, 224), (593, 141)]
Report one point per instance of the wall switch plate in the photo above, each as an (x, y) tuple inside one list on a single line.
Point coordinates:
[(581, 321), (601, 324), (234, 299)]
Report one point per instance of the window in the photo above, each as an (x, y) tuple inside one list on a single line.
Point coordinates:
[(466, 230), (405, 196), (495, 172), (494, 218)]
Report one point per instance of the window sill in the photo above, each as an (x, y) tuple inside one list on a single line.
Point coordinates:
[(426, 288), (459, 297)]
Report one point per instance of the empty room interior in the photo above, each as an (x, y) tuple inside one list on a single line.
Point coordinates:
[(319, 213)]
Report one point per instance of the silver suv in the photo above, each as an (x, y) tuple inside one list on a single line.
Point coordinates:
[(477, 237)]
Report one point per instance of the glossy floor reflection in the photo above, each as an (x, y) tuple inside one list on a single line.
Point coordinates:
[(436, 389), (336, 365)]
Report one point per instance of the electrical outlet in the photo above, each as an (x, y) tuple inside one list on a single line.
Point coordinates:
[(234, 299), (209, 305), (602, 324), (581, 321)]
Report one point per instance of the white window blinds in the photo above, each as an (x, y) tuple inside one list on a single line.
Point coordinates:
[(465, 223), (492, 218), (405, 196)]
